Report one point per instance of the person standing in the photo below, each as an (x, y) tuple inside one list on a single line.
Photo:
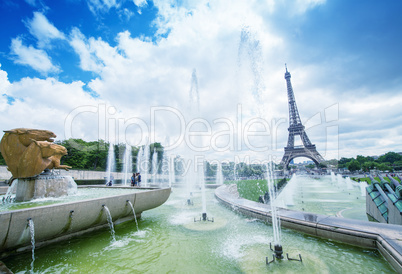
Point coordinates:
[(133, 180), (139, 178)]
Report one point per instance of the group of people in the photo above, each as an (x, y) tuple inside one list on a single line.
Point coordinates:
[(136, 179)]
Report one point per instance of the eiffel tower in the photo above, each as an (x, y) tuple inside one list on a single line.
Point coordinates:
[(296, 127)]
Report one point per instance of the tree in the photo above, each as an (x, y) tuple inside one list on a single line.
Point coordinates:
[(367, 166), (383, 167), (390, 157), (361, 159), (311, 166), (353, 165), (343, 162)]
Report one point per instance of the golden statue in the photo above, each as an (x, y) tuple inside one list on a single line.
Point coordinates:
[(28, 152)]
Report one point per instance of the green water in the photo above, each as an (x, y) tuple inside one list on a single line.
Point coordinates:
[(168, 241)]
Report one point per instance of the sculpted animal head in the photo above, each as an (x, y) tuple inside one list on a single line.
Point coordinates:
[(50, 149), (26, 135)]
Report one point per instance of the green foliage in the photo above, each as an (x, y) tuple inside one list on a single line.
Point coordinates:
[(353, 165), (93, 155), (388, 162), (342, 163), (367, 166), (390, 157), (361, 159)]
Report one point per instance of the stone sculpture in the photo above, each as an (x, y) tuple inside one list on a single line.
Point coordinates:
[(28, 152)]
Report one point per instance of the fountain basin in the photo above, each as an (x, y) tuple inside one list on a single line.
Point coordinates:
[(62, 221), (44, 186), (384, 237)]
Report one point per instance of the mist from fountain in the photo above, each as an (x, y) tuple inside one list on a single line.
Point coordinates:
[(285, 198), (349, 184), (276, 223), (145, 171), (192, 157), (363, 185), (333, 178), (110, 163), (8, 198), (154, 167), (143, 163), (322, 196), (219, 174), (164, 170), (339, 180), (140, 155), (128, 164), (171, 170)]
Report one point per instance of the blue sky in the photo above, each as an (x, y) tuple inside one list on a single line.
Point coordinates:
[(99, 68)]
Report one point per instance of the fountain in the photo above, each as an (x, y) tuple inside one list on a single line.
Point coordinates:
[(154, 167), (54, 203), (219, 174), (145, 165), (140, 155), (110, 221), (321, 196), (333, 178), (172, 174), (363, 185), (32, 233), (110, 166), (348, 183), (135, 216), (165, 244), (128, 165), (276, 223), (10, 191)]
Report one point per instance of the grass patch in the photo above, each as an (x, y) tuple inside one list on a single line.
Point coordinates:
[(252, 189)]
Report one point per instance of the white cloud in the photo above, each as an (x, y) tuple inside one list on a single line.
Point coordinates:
[(88, 59), (44, 31), (37, 59), (136, 75), (301, 6), (31, 2), (96, 6), (4, 83), (45, 104), (4, 87), (140, 3)]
